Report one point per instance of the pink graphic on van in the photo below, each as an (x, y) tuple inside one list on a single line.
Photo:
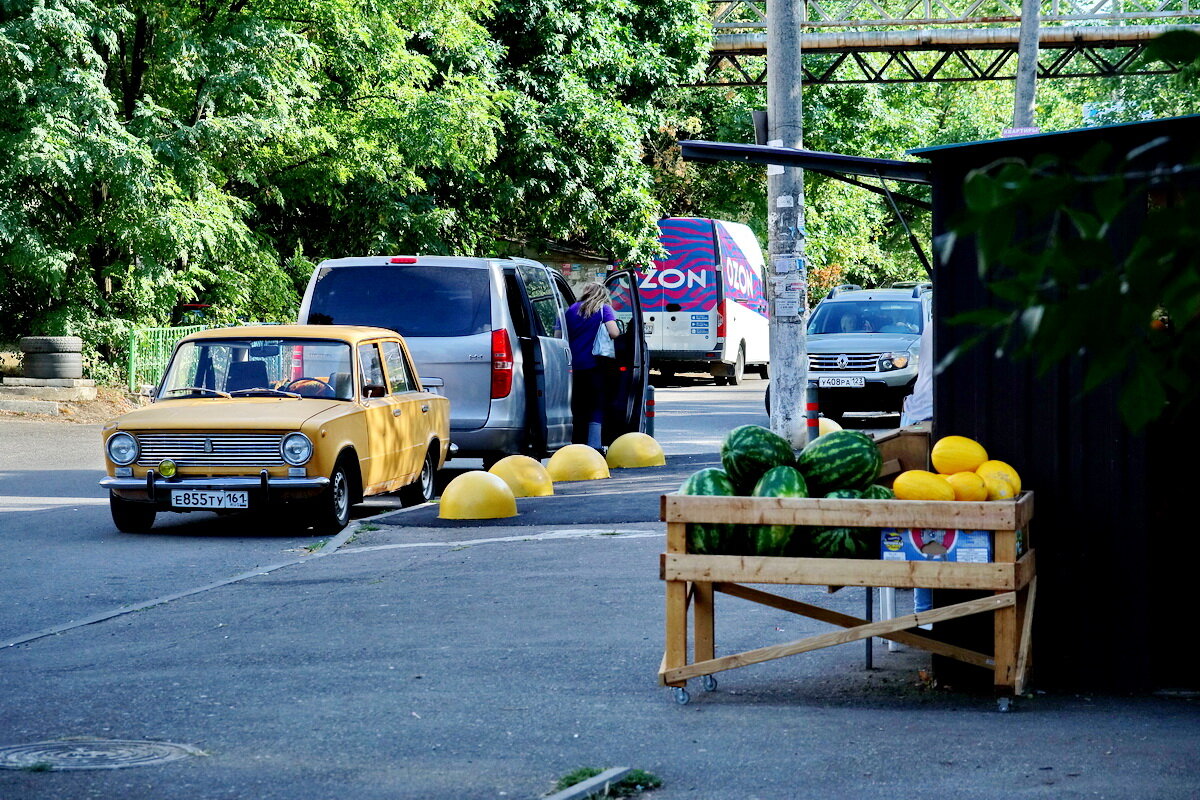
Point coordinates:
[(687, 277)]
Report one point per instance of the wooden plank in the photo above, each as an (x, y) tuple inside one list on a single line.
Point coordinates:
[(1026, 612), (676, 536), (675, 647), (837, 637), (847, 621), (987, 515), (1026, 569), (1004, 546), (1004, 637), (703, 614), (839, 572)]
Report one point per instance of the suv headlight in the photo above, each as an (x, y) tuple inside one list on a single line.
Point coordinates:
[(296, 449), (122, 448), (891, 361)]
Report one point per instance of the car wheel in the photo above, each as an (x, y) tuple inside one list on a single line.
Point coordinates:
[(767, 399), (333, 506), (420, 491), (130, 516), (739, 367)]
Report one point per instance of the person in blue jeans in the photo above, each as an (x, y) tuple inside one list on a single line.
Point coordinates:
[(589, 389)]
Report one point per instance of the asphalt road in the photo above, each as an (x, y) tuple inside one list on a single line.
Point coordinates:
[(413, 659)]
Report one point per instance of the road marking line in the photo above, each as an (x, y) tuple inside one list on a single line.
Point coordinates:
[(23, 503), (332, 547)]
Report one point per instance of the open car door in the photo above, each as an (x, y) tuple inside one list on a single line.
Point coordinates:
[(541, 328), (630, 369)]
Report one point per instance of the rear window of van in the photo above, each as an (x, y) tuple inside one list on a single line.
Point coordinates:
[(413, 300)]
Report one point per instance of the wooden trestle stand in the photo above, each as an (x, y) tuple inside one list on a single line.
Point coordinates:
[(693, 580)]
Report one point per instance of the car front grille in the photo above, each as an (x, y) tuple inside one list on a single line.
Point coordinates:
[(843, 362), (211, 449)]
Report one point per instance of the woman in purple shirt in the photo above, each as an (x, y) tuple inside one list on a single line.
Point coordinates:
[(588, 385)]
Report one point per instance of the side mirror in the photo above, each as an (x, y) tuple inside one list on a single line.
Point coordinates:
[(146, 392), (374, 390)]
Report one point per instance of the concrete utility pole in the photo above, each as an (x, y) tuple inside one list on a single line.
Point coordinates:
[(1027, 64), (786, 273)]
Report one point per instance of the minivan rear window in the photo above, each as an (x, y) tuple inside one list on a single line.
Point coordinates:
[(413, 300)]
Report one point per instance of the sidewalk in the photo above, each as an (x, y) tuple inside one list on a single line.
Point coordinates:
[(426, 660)]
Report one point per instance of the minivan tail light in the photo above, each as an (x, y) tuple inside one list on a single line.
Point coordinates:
[(403, 259), (502, 364), (721, 320)]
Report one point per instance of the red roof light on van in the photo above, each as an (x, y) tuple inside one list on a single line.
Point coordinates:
[(502, 364), (403, 259)]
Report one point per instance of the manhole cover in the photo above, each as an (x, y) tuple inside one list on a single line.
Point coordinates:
[(92, 754)]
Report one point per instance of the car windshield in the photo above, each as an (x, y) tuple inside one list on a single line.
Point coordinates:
[(892, 316), (250, 367), (414, 300)]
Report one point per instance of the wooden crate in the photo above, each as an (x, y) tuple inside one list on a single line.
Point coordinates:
[(692, 580)]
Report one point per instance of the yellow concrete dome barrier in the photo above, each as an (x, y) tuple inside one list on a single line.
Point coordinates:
[(524, 475), (826, 425), (635, 449), (577, 462), (477, 495)]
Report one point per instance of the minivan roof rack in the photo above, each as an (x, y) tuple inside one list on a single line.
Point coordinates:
[(843, 287), (921, 288)]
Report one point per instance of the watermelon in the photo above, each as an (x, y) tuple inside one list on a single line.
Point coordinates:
[(846, 542), (877, 492), (840, 460), (749, 451), (781, 481), (708, 538)]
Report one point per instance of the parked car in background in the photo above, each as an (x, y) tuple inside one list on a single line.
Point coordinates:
[(862, 347), (307, 419), (493, 332)]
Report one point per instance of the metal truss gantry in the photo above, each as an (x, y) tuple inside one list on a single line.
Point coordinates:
[(907, 41)]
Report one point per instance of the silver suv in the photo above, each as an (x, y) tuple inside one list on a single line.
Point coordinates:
[(489, 334), (862, 346)]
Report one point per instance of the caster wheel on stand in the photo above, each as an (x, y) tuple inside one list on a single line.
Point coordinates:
[(709, 683), (681, 696)]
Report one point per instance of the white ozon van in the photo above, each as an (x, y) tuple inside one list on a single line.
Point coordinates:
[(703, 305)]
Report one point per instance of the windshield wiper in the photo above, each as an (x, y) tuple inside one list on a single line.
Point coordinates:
[(217, 392), (263, 390)]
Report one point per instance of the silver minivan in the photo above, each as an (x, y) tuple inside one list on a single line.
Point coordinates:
[(488, 333)]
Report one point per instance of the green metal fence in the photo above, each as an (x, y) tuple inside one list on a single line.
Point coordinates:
[(149, 351)]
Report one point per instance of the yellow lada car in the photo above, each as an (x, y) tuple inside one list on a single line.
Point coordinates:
[(308, 419)]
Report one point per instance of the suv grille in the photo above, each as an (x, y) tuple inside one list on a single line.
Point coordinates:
[(211, 449), (849, 362)]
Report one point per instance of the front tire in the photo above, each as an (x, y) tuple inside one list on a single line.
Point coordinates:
[(130, 516), (421, 491), (333, 506)]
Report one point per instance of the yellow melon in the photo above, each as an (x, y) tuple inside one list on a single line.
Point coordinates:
[(1001, 470), (967, 486), (998, 488), (952, 454), (917, 484)]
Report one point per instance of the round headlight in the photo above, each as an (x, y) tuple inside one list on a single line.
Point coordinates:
[(900, 360), (167, 468), (296, 449), (122, 448)]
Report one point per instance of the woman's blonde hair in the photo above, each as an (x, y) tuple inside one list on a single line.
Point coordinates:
[(594, 297)]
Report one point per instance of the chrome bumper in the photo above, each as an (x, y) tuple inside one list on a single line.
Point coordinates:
[(154, 485)]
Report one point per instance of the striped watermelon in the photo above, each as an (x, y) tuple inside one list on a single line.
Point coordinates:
[(704, 537), (840, 460), (749, 451), (781, 481), (877, 492), (846, 542)]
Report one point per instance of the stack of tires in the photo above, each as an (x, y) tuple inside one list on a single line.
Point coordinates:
[(52, 356)]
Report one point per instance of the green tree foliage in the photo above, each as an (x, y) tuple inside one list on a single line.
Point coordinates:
[(164, 151), (1065, 292)]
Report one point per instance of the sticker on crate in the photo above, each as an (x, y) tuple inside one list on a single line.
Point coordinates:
[(935, 544)]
